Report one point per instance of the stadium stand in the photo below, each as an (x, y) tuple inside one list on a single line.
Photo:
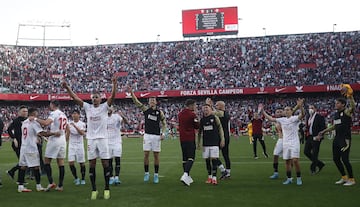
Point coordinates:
[(286, 60), (304, 59)]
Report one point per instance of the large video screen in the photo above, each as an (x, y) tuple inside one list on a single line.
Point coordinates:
[(208, 22)]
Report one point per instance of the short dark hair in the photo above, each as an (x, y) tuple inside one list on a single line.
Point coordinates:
[(341, 100), (55, 103), (279, 108), (76, 111), (314, 105), (189, 102), (32, 111), (22, 107)]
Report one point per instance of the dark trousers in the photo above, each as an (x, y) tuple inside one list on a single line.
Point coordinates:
[(259, 137), (311, 150), (188, 149), (341, 158), (225, 153)]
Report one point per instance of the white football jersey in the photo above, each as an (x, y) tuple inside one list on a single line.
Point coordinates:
[(29, 132), (75, 137), (114, 127), (290, 128), (96, 120), (59, 122)]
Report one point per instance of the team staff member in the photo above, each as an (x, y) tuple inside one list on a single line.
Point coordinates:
[(14, 131), (342, 141), (188, 123), (257, 127), (315, 124), (152, 136), (211, 134)]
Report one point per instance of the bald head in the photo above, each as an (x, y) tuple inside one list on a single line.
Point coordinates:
[(220, 105)]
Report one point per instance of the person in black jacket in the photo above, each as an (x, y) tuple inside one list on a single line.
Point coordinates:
[(315, 123), (14, 131)]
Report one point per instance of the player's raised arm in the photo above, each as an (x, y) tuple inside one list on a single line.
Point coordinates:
[(221, 131), (135, 100), (125, 119), (300, 104), (72, 94), (215, 112), (267, 116), (113, 91), (350, 110)]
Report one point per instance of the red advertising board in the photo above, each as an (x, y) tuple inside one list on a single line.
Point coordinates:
[(211, 21), (191, 92)]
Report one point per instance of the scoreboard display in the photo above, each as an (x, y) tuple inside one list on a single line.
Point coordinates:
[(207, 22)]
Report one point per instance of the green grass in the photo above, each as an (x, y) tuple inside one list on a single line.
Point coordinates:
[(249, 184)]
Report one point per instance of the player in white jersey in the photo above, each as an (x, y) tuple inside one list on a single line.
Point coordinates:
[(75, 132), (96, 134), (114, 124), (29, 153), (291, 144), (56, 145), (278, 149)]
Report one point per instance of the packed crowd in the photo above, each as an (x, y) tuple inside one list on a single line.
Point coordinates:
[(240, 109), (304, 59)]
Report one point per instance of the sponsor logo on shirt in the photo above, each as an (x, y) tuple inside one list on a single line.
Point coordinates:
[(152, 117)]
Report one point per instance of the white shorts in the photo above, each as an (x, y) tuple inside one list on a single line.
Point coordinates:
[(152, 142), (76, 153), (210, 152), (98, 148), (115, 150), (290, 152), (278, 149), (29, 159), (55, 150)]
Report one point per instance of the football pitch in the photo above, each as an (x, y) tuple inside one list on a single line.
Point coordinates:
[(249, 184)]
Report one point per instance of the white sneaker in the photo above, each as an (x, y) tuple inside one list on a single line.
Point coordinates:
[(190, 179), (184, 179), (341, 181), (350, 182), (22, 189), (40, 188)]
